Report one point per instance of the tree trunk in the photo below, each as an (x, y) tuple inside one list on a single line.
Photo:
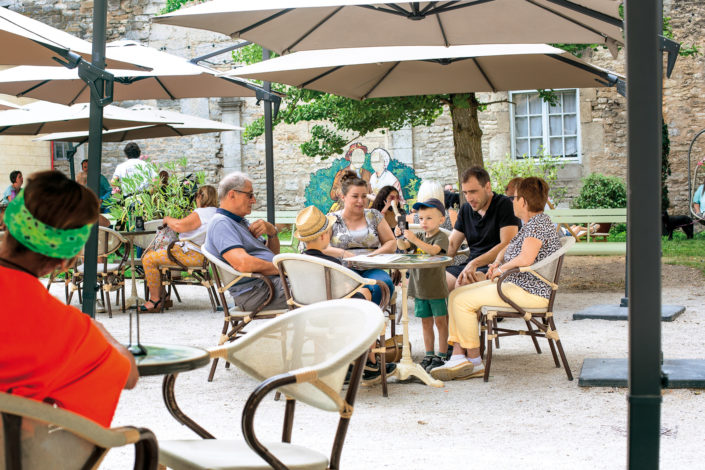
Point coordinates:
[(467, 135)]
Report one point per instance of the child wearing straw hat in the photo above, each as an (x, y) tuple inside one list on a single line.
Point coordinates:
[(314, 229)]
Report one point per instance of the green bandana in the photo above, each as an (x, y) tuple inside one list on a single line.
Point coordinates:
[(40, 237)]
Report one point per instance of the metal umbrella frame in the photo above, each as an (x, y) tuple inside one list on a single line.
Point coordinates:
[(171, 77), (375, 72)]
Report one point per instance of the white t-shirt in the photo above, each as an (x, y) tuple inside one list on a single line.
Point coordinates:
[(198, 235), (129, 167)]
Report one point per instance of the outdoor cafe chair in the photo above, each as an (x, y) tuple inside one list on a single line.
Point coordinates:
[(305, 354), (225, 276), (308, 279), (36, 435), (539, 321), (111, 275)]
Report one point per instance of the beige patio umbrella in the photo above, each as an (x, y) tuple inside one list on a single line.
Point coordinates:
[(171, 77), (5, 105), (182, 125), (30, 42), (296, 25), (42, 118), (375, 72)]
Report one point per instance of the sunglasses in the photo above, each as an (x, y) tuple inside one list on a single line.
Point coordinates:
[(250, 194)]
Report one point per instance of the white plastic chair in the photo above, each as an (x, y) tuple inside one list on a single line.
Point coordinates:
[(308, 279), (305, 354), (547, 270), (38, 436), (226, 276)]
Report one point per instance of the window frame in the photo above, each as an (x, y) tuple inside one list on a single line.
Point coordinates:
[(545, 123)]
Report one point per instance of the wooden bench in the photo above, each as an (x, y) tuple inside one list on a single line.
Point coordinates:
[(590, 246), (287, 218)]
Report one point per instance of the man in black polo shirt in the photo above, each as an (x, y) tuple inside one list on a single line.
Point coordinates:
[(486, 221)]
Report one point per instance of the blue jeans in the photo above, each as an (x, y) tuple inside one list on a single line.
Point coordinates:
[(379, 275)]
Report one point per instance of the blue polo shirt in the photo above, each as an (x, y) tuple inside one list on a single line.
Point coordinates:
[(227, 231)]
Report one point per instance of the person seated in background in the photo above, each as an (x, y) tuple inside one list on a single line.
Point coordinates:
[(52, 352), (536, 240), (241, 244), (451, 198), (314, 229), (11, 191), (387, 196), (82, 176), (194, 227)]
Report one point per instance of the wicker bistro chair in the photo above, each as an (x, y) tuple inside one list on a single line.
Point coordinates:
[(305, 354), (225, 276), (111, 276), (539, 321), (36, 435), (201, 274), (307, 280)]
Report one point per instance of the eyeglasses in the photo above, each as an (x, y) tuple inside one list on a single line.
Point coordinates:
[(511, 198), (250, 194)]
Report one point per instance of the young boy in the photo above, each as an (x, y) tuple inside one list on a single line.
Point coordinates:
[(314, 229), (428, 286)]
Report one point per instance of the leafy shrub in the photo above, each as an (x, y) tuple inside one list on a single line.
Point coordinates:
[(543, 166), (601, 192)]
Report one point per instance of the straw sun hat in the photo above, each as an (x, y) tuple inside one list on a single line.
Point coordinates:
[(311, 223)]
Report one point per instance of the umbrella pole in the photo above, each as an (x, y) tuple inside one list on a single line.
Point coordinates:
[(268, 146), (95, 143), (644, 75)]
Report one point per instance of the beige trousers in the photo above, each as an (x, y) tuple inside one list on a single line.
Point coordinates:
[(465, 302)]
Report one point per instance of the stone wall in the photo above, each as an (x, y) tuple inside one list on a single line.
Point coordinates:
[(428, 149)]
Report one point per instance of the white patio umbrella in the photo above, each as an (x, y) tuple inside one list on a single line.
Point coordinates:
[(30, 42), (171, 77), (42, 118), (182, 125), (402, 71), (296, 25)]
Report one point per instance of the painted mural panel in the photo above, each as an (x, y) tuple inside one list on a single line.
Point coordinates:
[(376, 166)]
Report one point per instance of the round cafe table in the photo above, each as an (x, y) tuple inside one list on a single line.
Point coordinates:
[(169, 360), (406, 367)]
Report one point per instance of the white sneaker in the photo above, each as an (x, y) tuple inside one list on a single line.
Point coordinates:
[(457, 370)]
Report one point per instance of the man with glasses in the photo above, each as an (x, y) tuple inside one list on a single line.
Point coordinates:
[(486, 221), (247, 247)]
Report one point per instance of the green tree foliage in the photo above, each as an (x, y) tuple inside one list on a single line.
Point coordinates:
[(665, 165), (601, 192), (544, 166)]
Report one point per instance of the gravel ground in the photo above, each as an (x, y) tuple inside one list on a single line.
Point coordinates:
[(527, 415)]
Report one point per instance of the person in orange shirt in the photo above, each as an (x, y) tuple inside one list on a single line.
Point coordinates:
[(49, 351)]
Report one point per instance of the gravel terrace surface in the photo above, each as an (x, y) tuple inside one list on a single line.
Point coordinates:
[(528, 415)]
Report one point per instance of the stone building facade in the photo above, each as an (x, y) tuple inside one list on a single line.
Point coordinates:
[(601, 113)]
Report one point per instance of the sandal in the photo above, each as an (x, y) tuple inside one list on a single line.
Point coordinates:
[(155, 308)]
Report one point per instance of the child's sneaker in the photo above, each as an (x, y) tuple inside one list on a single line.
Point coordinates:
[(427, 360), (436, 361)]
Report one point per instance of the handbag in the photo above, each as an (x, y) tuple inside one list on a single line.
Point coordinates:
[(393, 348), (163, 238)]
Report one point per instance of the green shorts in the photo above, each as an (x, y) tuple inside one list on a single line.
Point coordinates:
[(424, 308)]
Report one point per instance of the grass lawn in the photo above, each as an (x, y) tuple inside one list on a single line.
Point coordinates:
[(680, 250)]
